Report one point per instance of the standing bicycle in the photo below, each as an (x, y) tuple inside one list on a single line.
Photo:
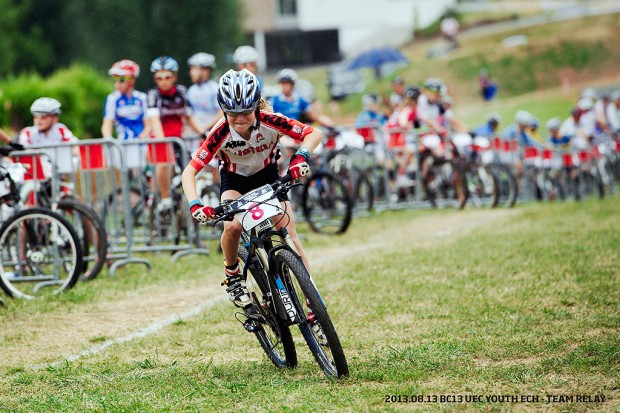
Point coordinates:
[(245, 140)]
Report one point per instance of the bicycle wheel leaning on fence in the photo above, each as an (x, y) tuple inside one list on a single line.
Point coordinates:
[(40, 253)]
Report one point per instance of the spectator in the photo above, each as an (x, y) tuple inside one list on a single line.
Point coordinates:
[(488, 86), (450, 29), (202, 94)]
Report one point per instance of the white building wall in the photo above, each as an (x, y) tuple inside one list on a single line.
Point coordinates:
[(368, 23)]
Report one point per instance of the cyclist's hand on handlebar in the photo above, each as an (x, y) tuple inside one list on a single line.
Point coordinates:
[(202, 213), (298, 167)]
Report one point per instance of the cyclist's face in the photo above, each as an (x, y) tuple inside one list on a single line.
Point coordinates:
[(44, 123), (241, 122), (251, 66), (165, 79), (287, 88), (199, 74)]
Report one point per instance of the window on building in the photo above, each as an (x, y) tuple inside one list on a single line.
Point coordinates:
[(288, 7)]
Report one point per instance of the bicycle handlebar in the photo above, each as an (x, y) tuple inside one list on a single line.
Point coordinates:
[(224, 213)]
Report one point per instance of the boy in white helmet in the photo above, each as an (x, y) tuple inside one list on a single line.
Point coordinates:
[(47, 130)]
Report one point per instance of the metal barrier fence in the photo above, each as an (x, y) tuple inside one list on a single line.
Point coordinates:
[(123, 182)]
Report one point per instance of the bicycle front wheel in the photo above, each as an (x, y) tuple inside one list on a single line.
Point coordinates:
[(272, 333), (40, 254), (315, 324), (326, 204)]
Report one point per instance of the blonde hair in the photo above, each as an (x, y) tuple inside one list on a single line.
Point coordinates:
[(264, 105)]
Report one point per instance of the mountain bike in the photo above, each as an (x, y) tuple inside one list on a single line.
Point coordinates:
[(282, 290), (40, 251)]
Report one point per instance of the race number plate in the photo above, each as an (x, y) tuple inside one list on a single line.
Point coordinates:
[(257, 207)]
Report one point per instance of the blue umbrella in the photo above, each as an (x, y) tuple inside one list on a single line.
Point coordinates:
[(375, 58)]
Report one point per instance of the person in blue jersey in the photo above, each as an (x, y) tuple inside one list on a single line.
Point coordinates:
[(292, 105), (370, 116), (125, 107), (202, 94), (489, 128)]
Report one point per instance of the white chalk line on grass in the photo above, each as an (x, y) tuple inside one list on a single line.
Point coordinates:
[(153, 328)]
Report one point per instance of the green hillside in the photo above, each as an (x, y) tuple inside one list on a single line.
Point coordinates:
[(544, 76)]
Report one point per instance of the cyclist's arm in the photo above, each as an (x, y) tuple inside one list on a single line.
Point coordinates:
[(193, 123), (432, 123), (188, 180), (106, 128), (154, 124)]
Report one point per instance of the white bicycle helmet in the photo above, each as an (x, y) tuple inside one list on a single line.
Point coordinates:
[(245, 54), (553, 123), (287, 75), (45, 106), (164, 63), (585, 104), (523, 117), (434, 85), (238, 91), (202, 60)]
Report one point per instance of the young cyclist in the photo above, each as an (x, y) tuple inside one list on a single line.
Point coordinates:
[(202, 94), (167, 109), (124, 108), (246, 141), (246, 57), (47, 130)]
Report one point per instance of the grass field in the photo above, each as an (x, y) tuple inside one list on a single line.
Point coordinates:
[(472, 303)]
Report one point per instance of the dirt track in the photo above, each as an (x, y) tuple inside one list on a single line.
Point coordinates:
[(34, 341)]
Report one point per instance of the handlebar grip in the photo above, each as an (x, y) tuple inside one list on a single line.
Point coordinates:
[(219, 210), (284, 179)]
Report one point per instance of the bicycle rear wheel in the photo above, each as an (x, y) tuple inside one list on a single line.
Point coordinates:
[(40, 254), (92, 234), (316, 327), (272, 333), (326, 204)]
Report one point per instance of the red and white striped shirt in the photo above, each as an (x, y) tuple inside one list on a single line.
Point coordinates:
[(247, 157)]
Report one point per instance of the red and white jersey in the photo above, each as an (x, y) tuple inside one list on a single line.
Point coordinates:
[(247, 157), (58, 133)]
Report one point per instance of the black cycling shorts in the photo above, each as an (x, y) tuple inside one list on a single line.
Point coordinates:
[(244, 184)]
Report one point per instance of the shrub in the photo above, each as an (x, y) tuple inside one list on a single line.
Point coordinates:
[(80, 89)]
